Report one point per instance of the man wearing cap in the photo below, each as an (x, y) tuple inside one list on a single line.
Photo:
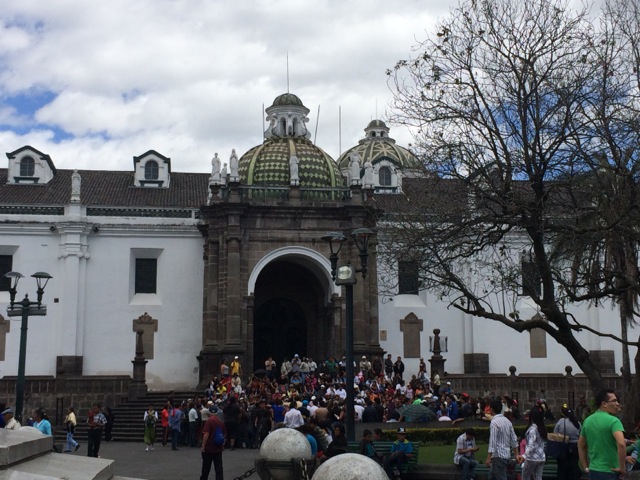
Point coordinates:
[(10, 423), (365, 365), (401, 451), (236, 368)]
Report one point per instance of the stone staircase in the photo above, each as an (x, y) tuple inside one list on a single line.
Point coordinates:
[(128, 423)]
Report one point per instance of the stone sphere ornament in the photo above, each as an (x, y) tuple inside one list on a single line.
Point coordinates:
[(350, 466), (282, 445)]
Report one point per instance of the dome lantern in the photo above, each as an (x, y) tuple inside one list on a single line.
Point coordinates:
[(287, 118)]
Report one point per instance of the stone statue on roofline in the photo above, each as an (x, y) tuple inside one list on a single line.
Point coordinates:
[(293, 170), (354, 169), (223, 175), (76, 181), (368, 174), (233, 166), (215, 170)]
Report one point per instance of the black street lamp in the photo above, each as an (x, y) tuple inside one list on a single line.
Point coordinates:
[(346, 276), (25, 309)]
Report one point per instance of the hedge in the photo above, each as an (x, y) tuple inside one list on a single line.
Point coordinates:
[(448, 436)]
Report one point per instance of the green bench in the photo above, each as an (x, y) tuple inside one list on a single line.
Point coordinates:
[(549, 471), (384, 448)]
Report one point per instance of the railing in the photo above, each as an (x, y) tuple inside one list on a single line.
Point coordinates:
[(271, 194)]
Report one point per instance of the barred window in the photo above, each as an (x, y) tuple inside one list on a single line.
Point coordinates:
[(408, 278), (146, 275)]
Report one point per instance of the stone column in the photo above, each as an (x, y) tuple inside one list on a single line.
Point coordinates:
[(234, 295), (212, 323), (138, 385), (5, 326), (437, 360), (73, 255)]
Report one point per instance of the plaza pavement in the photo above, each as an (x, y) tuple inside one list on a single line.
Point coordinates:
[(131, 460)]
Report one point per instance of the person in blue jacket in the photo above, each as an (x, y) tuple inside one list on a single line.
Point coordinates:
[(401, 451)]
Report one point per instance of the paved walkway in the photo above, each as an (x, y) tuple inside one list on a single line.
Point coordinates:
[(131, 460)]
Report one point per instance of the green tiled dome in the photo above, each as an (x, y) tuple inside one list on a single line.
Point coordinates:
[(268, 164), (377, 145)]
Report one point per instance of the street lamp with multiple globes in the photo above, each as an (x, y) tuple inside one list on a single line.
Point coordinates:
[(24, 309), (346, 276)]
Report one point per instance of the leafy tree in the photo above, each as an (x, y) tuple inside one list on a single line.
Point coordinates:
[(526, 114)]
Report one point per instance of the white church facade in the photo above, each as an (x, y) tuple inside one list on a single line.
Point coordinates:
[(231, 262)]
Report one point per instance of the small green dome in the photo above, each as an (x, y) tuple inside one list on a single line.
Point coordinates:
[(268, 164), (376, 124), (377, 146), (287, 99)]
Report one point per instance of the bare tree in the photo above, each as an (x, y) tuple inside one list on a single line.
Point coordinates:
[(520, 109)]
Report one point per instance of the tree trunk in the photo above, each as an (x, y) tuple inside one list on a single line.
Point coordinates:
[(631, 407), (626, 363)]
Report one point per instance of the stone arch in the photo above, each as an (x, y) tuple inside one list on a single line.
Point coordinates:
[(292, 312), (311, 259)]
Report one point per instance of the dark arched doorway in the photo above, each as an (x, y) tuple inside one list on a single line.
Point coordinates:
[(291, 314), (280, 331)]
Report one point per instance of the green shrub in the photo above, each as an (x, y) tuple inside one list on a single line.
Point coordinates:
[(448, 436)]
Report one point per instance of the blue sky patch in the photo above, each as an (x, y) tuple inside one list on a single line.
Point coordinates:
[(26, 105)]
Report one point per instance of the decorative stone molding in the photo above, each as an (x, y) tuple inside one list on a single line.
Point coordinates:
[(411, 326), (149, 326)]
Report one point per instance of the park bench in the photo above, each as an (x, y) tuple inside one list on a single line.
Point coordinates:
[(549, 471), (384, 448)]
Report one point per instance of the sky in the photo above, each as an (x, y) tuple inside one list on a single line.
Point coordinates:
[(94, 83)]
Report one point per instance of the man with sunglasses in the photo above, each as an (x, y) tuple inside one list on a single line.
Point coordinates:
[(601, 445)]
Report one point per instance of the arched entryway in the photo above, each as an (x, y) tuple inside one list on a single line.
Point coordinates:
[(280, 331), (292, 311)]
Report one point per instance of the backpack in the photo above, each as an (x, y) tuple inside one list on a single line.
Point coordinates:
[(150, 420), (218, 436)]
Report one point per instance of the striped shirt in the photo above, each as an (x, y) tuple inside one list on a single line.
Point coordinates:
[(502, 437), (535, 445)]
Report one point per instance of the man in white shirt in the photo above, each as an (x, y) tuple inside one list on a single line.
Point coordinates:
[(293, 417), (341, 392), (359, 410), (312, 407), (10, 422), (464, 455)]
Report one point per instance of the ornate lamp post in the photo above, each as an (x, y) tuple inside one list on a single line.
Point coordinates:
[(25, 309), (346, 276)]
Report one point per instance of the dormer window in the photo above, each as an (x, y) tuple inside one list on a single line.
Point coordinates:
[(384, 176), (27, 167), (151, 170)]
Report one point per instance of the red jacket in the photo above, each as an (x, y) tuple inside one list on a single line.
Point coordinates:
[(208, 432)]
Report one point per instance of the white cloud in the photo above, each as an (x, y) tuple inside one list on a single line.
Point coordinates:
[(188, 78)]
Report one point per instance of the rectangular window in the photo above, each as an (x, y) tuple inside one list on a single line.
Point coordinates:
[(531, 281), (408, 278), (6, 265), (146, 275)]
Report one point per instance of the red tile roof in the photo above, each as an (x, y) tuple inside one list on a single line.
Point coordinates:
[(108, 188)]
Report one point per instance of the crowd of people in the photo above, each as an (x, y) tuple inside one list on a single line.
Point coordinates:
[(310, 397)]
